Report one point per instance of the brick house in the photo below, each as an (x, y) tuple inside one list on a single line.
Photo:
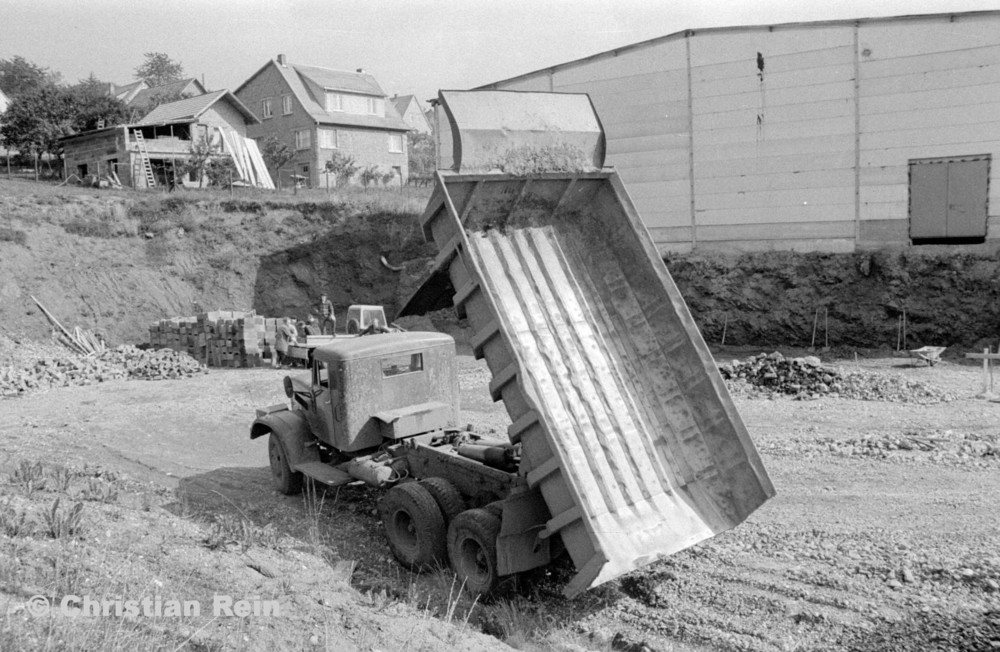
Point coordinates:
[(409, 109), (166, 133), (320, 111)]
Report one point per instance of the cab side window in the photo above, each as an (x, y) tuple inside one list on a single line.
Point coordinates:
[(322, 376)]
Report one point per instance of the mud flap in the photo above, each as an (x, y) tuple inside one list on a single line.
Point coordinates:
[(519, 547)]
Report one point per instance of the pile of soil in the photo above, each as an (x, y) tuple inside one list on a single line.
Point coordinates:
[(808, 377)]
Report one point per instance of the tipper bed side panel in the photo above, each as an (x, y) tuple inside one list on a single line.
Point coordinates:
[(635, 446)]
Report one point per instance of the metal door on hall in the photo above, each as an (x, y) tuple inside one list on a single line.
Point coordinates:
[(948, 198)]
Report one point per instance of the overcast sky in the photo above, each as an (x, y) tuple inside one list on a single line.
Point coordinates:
[(411, 46)]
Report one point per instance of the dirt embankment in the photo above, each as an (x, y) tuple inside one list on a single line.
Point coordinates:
[(114, 263), (772, 298)]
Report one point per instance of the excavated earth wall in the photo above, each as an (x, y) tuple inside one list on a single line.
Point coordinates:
[(776, 298)]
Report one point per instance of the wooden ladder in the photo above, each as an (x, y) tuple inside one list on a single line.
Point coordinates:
[(147, 168)]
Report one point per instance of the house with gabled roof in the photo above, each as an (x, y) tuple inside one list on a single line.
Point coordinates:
[(154, 151), (321, 111), (408, 108), (126, 92), (172, 91)]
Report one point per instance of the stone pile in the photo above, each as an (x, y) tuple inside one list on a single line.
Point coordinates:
[(808, 377), (69, 369), (150, 364)]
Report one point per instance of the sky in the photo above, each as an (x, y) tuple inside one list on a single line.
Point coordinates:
[(411, 46)]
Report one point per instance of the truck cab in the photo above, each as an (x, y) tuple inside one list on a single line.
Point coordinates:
[(361, 392)]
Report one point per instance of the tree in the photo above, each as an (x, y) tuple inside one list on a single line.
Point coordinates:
[(36, 120), (18, 76), (202, 150), (342, 167), (93, 106), (370, 175), (276, 152), (138, 110), (159, 69), (421, 154)]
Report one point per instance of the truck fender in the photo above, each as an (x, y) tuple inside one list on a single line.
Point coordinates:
[(293, 431), (519, 547)]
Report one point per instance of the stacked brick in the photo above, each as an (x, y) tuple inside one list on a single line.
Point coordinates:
[(219, 339)]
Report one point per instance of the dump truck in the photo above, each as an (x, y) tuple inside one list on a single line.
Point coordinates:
[(624, 445)]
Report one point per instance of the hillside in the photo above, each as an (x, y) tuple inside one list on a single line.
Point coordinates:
[(113, 262)]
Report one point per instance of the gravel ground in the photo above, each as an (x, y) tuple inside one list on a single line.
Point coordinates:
[(885, 533)]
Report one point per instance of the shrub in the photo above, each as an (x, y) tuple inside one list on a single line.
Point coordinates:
[(13, 235)]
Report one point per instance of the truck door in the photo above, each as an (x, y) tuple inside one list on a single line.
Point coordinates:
[(326, 399)]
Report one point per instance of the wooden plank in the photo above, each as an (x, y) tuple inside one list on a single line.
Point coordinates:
[(814, 111), (934, 119), (764, 197), (781, 65), (775, 214), (842, 178), (754, 98), (969, 96), (944, 135), (931, 34), (842, 72), (982, 75), (778, 41), (841, 126), (893, 155), (231, 149), (771, 146), (646, 59), (968, 57), (767, 165), (776, 231)]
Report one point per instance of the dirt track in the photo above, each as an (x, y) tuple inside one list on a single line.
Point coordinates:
[(867, 546)]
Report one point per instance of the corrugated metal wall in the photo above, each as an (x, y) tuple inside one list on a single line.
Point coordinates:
[(803, 147)]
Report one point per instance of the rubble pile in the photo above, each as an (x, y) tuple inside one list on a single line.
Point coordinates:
[(123, 362), (808, 377), (62, 371), (153, 364)]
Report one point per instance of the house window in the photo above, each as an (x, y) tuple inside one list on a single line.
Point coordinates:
[(265, 108), (302, 139), (375, 105), (334, 102), (286, 104), (329, 138), (396, 143), (948, 199)]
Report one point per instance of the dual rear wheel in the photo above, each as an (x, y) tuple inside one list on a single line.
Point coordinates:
[(428, 526)]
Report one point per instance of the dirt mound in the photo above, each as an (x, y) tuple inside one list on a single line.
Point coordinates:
[(115, 263), (807, 377)]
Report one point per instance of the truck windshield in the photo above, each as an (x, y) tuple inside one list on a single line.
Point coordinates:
[(402, 364)]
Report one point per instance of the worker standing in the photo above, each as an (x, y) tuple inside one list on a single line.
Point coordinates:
[(326, 315), (287, 335)]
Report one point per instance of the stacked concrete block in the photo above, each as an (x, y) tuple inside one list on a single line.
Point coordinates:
[(220, 338)]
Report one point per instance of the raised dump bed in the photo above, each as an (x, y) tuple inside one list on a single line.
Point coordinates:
[(624, 422)]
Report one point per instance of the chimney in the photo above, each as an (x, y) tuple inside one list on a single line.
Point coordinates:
[(281, 59), (361, 70)]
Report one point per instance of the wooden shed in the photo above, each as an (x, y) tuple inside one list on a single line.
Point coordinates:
[(823, 136)]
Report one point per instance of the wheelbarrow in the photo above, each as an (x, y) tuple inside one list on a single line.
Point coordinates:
[(929, 354)]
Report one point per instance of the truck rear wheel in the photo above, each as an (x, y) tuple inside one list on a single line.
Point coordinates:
[(286, 481), (414, 526), (472, 549), (447, 497)]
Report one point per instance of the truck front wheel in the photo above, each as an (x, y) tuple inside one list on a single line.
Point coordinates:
[(472, 549), (414, 526), (286, 481)]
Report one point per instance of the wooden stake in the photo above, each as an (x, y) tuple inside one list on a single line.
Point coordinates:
[(725, 324), (815, 323)]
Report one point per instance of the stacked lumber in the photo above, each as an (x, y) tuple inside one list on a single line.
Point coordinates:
[(220, 338)]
